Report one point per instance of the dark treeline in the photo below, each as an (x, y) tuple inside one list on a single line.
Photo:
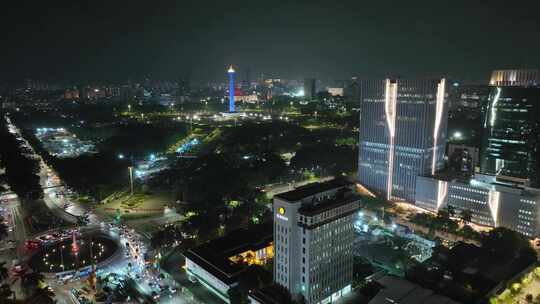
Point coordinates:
[(94, 175), (21, 168)]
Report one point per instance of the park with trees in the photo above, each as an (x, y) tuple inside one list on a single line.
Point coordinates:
[(467, 272)]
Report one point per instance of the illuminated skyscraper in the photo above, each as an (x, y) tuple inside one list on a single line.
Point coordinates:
[(521, 78), (506, 191), (402, 134), (231, 89), (511, 129)]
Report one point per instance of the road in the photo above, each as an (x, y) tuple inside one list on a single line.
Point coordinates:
[(274, 189), (9, 253), (199, 293), (133, 245)]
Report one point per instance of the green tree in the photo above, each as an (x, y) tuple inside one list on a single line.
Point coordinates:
[(505, 244), (6, 293), (443, 214), (466, 215), (235, 296), (31, 281), (467, 232), (451, 210), (279, 293), (166, 236), (3, 229), (253, 278), (4, 273), (42, 296)]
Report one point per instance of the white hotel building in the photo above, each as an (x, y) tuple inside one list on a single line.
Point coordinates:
[(313, 239)]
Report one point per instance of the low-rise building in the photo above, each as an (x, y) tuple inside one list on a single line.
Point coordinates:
[(491, 203), (398, 290), (218, 263)]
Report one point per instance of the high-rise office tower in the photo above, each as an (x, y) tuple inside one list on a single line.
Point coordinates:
[(353, 90), (520, 78), (511, 139), (313, 239), (309, 88), (402, 134), (506, 190), (231, 89)]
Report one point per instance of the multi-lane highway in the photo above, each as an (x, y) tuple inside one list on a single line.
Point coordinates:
[(127, 261)]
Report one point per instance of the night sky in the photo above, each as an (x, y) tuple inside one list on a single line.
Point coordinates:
[(117, 40)]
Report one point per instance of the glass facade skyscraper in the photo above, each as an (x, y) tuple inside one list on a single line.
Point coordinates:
[(511, 141), (506, 191), (402, 134)]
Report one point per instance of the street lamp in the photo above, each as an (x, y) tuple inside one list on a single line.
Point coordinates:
[(191, 117)]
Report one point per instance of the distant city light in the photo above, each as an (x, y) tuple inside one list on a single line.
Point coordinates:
[(121, 156), (457, 135), (300, 93), (152, 156)]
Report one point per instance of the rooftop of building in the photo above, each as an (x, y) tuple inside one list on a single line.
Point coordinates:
[(448, 175), (272, 294), (342, 197), (214, 255), (312, 189), (479, 181), (398, 290)]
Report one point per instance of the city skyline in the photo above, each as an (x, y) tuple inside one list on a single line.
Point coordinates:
[(285, 152)]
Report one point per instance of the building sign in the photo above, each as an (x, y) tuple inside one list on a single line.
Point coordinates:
[(280, 214)]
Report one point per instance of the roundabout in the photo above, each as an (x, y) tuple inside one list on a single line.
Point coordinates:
[(74, 253)]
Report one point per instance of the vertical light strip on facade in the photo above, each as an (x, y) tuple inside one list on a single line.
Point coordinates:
[(439, 107), (442, 190), (493, 105), (390, 107), (493, 201)]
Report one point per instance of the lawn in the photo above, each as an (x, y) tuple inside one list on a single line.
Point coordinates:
[(138, 205)]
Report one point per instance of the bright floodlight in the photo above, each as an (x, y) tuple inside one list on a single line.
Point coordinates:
[(458, 135), (121, 156)]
